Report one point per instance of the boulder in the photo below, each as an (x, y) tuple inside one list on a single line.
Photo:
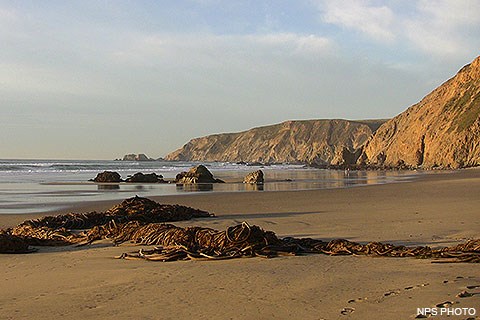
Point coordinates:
[(255, 177), (107, 176), (148, 178), (198, 174)]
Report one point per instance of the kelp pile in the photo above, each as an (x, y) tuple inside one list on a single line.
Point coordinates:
[(132, 209), (14, 244), (190, 242), (243, 240), (72, 228), (139, 220)]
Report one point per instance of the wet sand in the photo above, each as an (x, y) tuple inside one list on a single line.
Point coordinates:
[(435, 210)]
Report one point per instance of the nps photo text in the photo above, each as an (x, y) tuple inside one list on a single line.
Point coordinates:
[(447, 311)]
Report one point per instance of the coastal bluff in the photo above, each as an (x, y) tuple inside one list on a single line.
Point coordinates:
[(319, 142), (440, 131)]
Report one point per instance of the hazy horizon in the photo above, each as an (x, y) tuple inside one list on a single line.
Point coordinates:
[(98, 80), (161, 156)]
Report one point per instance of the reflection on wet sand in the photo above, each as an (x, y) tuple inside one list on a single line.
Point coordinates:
[(254, 187), (108, 187), (195, 187), (39, 197)]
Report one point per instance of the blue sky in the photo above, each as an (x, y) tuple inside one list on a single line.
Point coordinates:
[(99, 79)]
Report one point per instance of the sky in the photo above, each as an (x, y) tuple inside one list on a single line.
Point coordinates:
[(100, 79)]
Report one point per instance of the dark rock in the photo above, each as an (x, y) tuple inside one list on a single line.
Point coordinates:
[(255, 177), (148, 178), (136, 157), (349, 157), (257, 164), (107, 176), (198, 174)]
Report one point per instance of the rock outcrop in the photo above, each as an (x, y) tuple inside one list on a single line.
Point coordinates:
[(442, 130), (136, 157), (140, 177), (320, 142), (198, 174), (107, 176), (255, 177)]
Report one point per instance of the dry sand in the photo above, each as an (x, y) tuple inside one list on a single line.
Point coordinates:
[(436, 210)]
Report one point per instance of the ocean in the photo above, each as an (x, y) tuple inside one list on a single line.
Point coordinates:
[(30, 186)]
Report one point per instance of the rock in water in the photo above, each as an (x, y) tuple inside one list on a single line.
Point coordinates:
[(108, 176), (255, 177), (136, 157), (198, 174), (148, 178)]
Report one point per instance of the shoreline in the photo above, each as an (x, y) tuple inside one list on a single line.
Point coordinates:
[(11, 219), (32, 194), (206, 198), (436, 210)]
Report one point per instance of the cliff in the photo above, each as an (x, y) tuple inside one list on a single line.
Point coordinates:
[(320, 142), (442, 130)]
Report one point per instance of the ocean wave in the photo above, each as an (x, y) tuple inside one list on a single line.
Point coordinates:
[(93, 166)]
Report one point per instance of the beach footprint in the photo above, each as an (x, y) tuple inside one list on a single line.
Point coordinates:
[(388, 294), (347, 310), (398, 291), (423, 316), (445, 304), (462, 294), (416, 286), (466, 294), (357, 300), (391, 293)]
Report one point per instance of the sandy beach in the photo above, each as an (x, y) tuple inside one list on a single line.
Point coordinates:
[(437, 210)]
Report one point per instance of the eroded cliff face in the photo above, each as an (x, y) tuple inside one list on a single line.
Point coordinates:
[(442, 130), (321, 142)]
